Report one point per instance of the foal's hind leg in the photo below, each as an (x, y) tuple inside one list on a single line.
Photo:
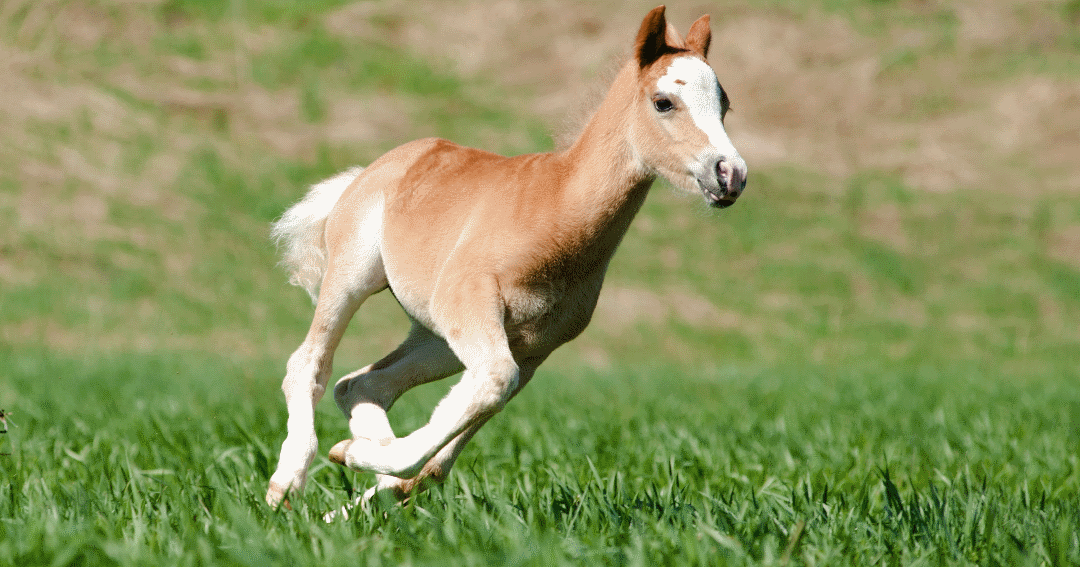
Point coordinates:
[(470, 316), (367, 394), (308, 370), (437, 469)]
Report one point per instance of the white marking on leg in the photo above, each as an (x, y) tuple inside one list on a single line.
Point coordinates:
[(303, 388), (477, 396), (366, 395), (309, 370)]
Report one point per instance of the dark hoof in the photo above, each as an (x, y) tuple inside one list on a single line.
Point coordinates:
[(337, 452)]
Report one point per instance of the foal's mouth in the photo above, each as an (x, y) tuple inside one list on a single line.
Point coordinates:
[(719, 199), (730, 182)]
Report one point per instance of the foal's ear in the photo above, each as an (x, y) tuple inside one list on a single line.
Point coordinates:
[(672, 37), (650, 43), (699, 36)]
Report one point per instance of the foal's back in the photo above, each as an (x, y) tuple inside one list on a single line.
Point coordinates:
[(446, 211)]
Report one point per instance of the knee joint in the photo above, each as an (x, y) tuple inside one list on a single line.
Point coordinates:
[(498, 385), (352, 390)]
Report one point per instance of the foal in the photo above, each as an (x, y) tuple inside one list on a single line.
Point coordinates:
[(497, 261)]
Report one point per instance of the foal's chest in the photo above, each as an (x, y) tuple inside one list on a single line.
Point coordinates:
[(540, 316)]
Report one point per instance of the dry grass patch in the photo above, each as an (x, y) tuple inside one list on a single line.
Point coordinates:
[(552, 48), (886, 224), (1064, 245), (621, 307), (808, 88)]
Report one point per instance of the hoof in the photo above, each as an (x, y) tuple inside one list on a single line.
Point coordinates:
[(275, 496), (345, 512), (337, 452)]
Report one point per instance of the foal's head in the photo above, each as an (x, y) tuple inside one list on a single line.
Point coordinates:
[(678, 117)]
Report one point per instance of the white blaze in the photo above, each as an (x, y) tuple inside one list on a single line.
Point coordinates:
[(694, 82)]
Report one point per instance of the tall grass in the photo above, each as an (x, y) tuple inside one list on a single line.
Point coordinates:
[(631, 466)]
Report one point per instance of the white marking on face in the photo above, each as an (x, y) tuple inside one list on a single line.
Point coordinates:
[(695, 84)]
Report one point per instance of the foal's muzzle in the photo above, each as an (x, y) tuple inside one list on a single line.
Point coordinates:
[(730, 182)]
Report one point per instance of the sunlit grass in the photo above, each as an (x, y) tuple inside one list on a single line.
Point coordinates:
[(638, 464)]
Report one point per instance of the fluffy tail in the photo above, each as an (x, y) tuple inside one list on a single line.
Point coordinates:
[(299, 233)]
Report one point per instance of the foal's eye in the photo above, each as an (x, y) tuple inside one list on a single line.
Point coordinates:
[(662, 104)]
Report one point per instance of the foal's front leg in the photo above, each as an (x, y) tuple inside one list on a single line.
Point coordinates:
[(479, 395), (471, 320), (367, 394), (437, 469)]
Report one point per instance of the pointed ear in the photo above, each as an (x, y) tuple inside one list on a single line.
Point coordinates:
[(650, 43), (699, 36), (672, 37)]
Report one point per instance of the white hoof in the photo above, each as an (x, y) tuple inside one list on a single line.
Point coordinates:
[(343, 512)]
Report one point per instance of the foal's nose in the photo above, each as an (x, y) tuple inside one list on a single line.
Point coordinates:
[(731, 175)]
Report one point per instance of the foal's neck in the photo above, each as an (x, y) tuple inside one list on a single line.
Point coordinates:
[(608, 182)]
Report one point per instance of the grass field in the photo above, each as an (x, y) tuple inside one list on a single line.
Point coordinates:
[(873, 359)]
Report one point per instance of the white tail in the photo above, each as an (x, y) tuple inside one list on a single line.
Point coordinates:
[(299, 231)]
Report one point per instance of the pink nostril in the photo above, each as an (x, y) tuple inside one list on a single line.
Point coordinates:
[(723, 172)]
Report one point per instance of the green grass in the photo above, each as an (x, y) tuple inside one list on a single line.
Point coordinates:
[(840, 370), (589, 467)]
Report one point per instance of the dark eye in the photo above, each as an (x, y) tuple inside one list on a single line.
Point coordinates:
[(662, 104)]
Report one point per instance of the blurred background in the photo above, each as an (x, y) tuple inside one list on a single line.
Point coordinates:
[(914, 194), (898, 290)]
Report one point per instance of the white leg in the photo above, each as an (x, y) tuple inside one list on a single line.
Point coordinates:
[(367, 394), (304, 385), (307, 374), (436, 470), (472, 324), (477, 397)]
